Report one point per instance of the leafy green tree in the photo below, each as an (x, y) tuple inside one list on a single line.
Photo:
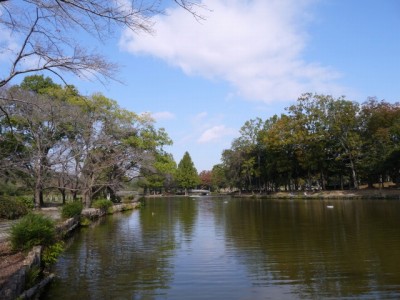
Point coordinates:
[(33, 124), (251, 148), (38, 84), (53, 138), (186, 174), (311, 137), (218, 178), (381, 139), (280, 145), (161, 175), (344, 130)]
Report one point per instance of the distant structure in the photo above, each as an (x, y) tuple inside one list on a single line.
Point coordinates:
[(199, 192)]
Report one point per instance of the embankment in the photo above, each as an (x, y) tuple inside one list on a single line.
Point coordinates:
[(17, 269)]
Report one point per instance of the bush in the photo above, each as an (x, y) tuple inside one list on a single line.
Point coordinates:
[(51, 253), (28, 201), (12, 209), (85, 221), (32, 230), (32, 277), (71, 209), (102, 204)]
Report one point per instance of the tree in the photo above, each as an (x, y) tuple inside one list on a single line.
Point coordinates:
[(161, 175), (205, 179), (89, 144), (186, 174), (33, 127), (45, 35), (380, 138), (344, 129), (218, 179)]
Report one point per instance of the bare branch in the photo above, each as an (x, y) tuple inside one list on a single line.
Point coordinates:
[(48, 33)]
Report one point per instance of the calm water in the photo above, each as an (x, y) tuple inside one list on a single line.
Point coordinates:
[(225, 248)]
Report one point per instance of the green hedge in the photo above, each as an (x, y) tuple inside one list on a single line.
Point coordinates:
[(32, 230)]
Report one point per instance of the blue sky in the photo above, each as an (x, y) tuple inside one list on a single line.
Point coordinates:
[(251, 58)]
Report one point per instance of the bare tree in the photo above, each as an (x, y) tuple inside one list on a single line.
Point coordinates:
[(43, 33)]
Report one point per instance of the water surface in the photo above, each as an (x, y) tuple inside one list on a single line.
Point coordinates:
[(226, 248)]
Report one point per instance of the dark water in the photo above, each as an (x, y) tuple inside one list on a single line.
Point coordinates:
[(223, 248)]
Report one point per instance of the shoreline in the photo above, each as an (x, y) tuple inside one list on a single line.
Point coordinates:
[(363, 194), (15, 266)]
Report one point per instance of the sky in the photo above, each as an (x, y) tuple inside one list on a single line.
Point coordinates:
[(202, 80)]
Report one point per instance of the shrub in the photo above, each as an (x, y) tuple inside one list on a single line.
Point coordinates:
[(102, 204), (32, 230), (51, 253), (32, 277), (85, 221), (71, 209), (12, 209), (28, 201)]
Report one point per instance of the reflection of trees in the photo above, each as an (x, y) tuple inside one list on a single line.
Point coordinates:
[(128, 256), (168, 216), (348, 250)]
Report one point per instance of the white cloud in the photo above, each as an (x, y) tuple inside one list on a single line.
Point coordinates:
[(199, 118), (8, 45), (216, 133), (163, 115), (254, 45)]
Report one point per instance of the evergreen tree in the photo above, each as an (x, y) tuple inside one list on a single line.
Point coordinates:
[(187, 176)]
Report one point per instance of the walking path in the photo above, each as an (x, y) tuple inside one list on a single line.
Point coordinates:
[(5, 226)]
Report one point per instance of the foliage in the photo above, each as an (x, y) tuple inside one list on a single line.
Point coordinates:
[(32, 276), (102, 204), (51, 253), (7, 188), (33, 229), (218, 178), (162, 175), (71, 209), (205, 179), (27, 201), (320, 143), (89, 146), (12, 208), (85, 221), (186, 174)]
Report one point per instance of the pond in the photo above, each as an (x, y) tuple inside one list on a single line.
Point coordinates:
[(236, 248)]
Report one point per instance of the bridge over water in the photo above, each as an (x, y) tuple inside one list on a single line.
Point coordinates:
[(199, 192)]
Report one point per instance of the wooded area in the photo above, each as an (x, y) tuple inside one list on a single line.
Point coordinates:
[(320, 143), (52, 138)]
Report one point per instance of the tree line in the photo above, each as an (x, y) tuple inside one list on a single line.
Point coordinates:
[(54, 139), (321, 142)]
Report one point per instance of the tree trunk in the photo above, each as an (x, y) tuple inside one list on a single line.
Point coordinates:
[(37, 195), (353, 174), (87, 198), (38, 190)]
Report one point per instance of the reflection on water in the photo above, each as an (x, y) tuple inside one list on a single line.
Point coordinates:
[(225, 248)]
